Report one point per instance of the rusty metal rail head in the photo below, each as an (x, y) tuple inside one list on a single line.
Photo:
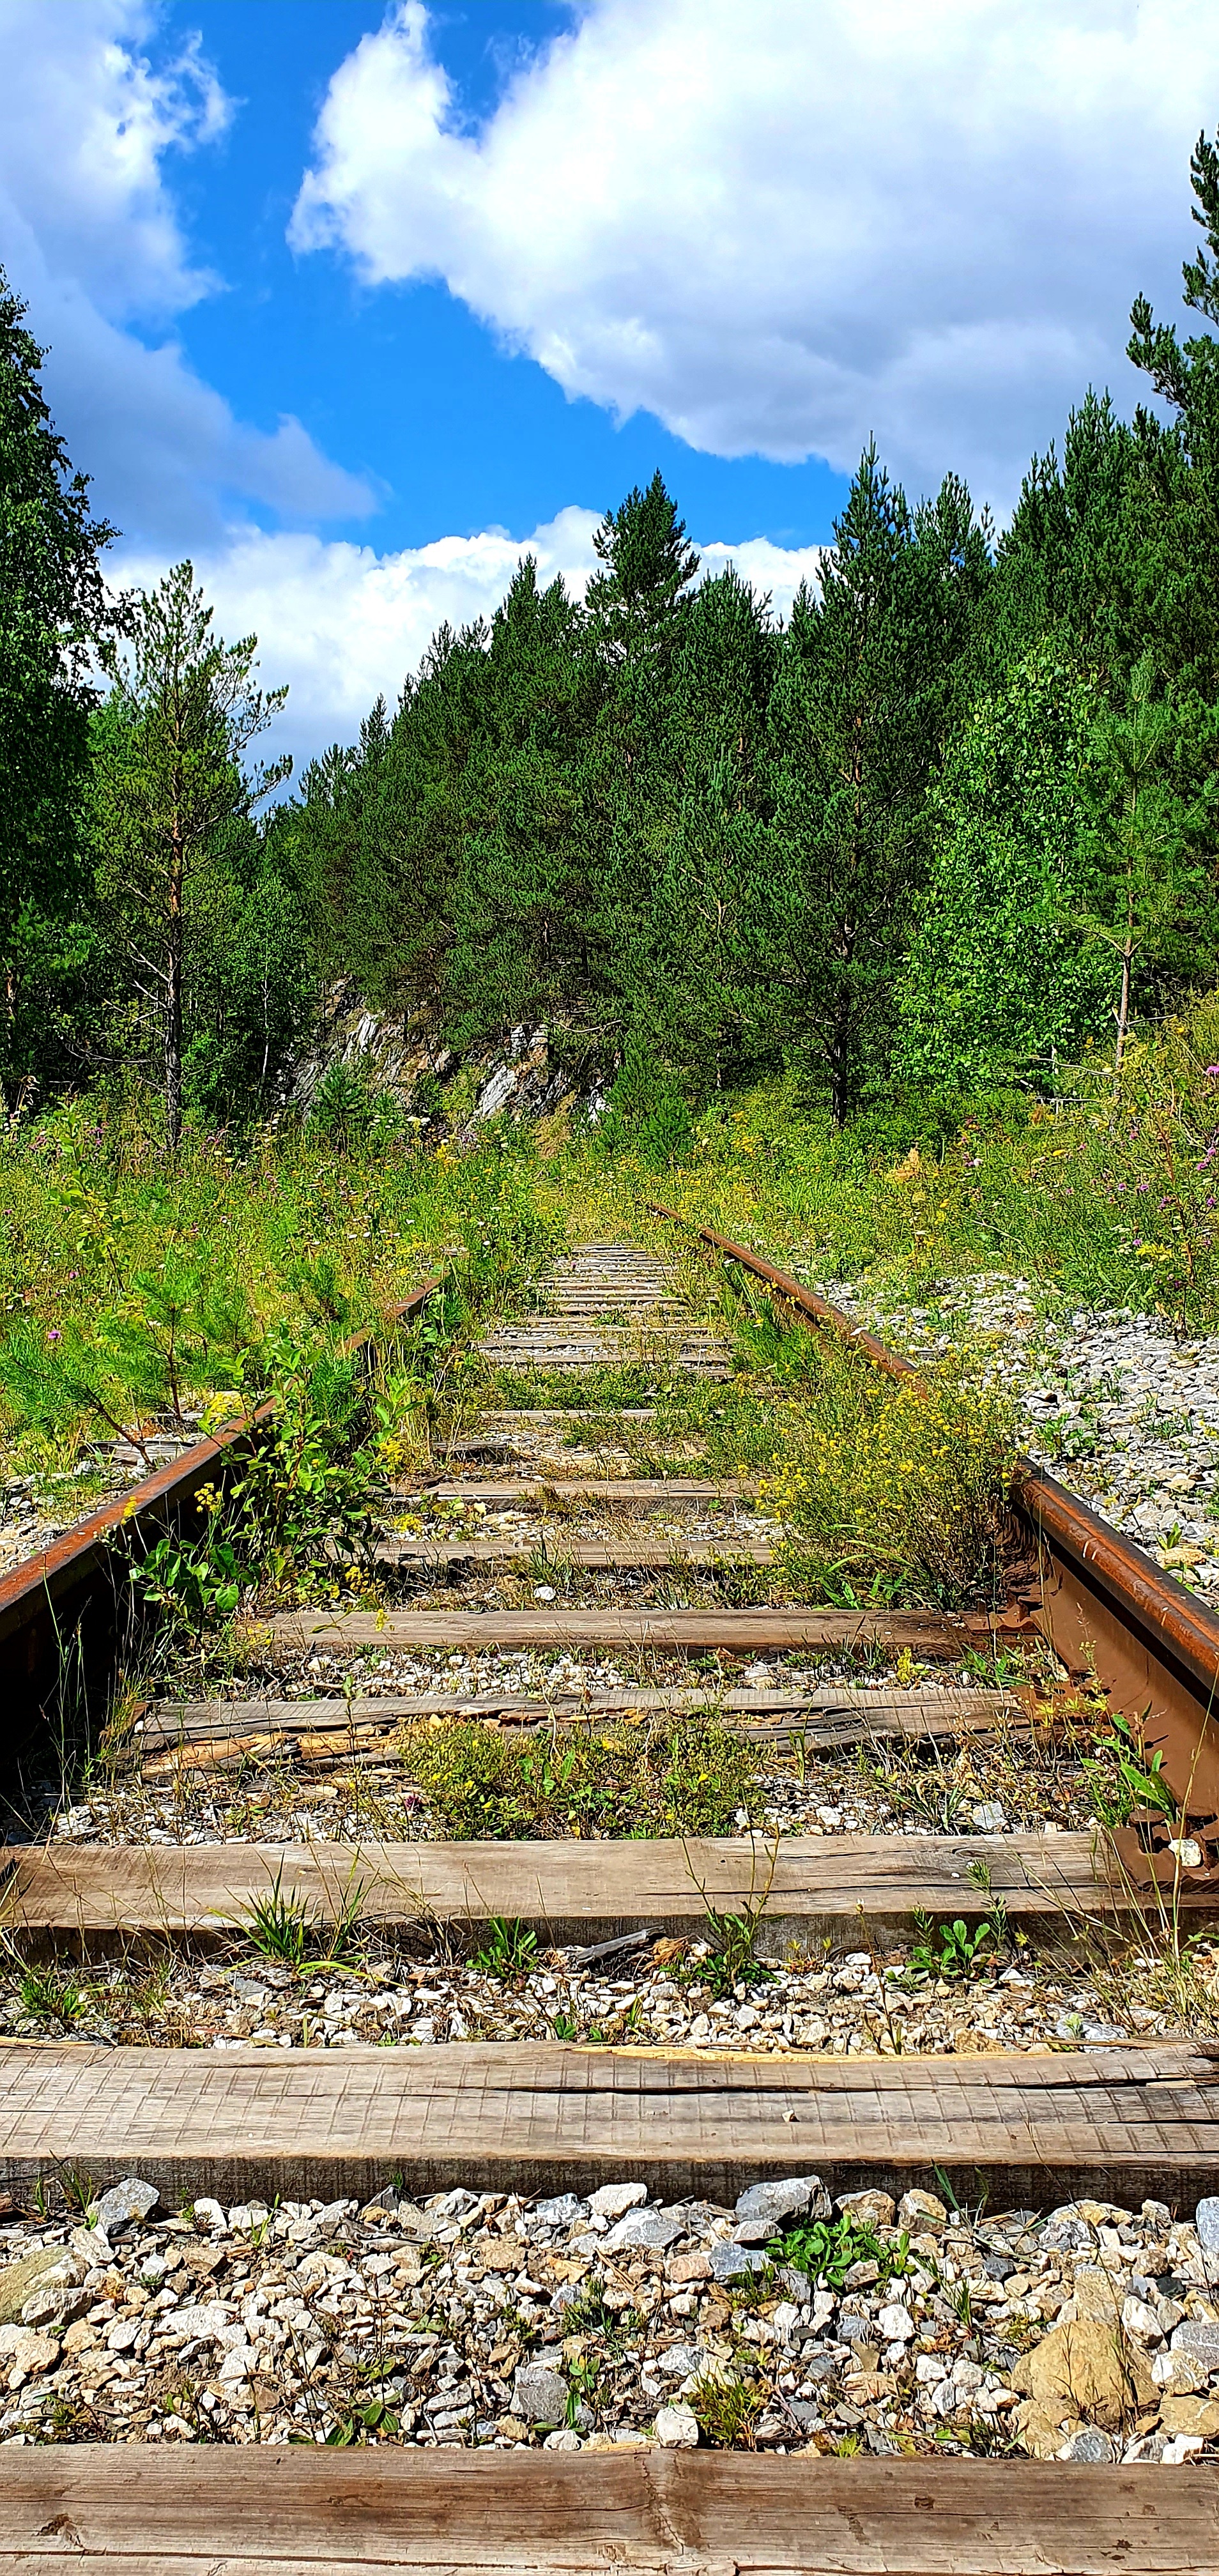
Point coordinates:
[(1107, 1610)]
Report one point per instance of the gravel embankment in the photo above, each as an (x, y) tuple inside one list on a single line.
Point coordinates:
[(1090, 2333)]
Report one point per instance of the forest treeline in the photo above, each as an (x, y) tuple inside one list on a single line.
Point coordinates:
[(950, 824)]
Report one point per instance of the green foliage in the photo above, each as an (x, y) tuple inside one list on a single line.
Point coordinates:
[(733, 1938), (728, 2410), (304, 1492), (1128, 1778), (960, 1952), (856, 720), (647, 566), (347, 1109), (646, 1115), (196, 1586), (170, 791), (689, 1777), (53, 612), (998, 975), (824, 2249), (286, 1932), (48, 1995), (509, 1951), (898, 1486)]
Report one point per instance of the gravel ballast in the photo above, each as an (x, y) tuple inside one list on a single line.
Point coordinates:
[(1090, 2333)]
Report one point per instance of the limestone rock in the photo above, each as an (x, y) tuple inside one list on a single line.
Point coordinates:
[(19, 2280), (658, 2228), (615, 2198), (1179, 2374), (1044, 2426), (1206, 2220), (1089, 2444), (125, 2201), (677, 2428), (24, 2353), (1191, 2415), (766, 2205), (871, 2208), (1095, 2370), (921, 2209), (539, 2394), (730, 2262), (1096, 2295), (1141, 2321)]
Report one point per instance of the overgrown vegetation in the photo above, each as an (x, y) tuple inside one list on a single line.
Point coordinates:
[(483, 1784)]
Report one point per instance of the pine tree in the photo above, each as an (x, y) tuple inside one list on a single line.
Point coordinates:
[(689, 844), (52, 610), (1152, 893), (526, 944), (852, 745), (169, 783), (635, 603)]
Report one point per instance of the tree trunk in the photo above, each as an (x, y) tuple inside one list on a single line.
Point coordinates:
[(1123, 1011), (1123, 1008), (840, 1077), (173, 1001)]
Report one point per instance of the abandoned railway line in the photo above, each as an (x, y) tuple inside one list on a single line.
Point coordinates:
[(543, 2098)]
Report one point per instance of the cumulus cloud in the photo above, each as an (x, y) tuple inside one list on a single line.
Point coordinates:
[(785, 228), (344, 625), (90, 238)]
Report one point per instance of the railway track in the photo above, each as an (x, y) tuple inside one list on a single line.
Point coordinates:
[(561, 1577)]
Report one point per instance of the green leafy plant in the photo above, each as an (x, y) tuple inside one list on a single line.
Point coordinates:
[(826, 2248), (1128, 1781), (284, 1930), (374, 2421), (48, 1995), (733, 1938), (961, 1953), (195, 1586), (727, 2410), (509, 1950), (689, 1777)]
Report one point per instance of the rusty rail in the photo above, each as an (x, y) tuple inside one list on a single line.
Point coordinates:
[(1105, 1609), (61, 1604)]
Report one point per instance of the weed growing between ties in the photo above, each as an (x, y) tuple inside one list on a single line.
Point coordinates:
[(623, 1780), (886, 1491), (826, 2249)]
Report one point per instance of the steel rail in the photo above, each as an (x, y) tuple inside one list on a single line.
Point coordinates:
[(63, 1600), (1105, 1609)]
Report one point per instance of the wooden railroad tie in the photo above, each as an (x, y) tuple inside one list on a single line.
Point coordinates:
[(138, 2509), (621, 1493), (818, 1720), (555, 1543), (683, 1632), (821, 1889), (1031, 2132)]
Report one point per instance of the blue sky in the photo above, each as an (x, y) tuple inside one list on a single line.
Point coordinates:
[(352, 302), (403, 384)]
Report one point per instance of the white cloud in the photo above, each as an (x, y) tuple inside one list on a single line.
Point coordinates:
[(90, 238), (783, 228), (343, 625)]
